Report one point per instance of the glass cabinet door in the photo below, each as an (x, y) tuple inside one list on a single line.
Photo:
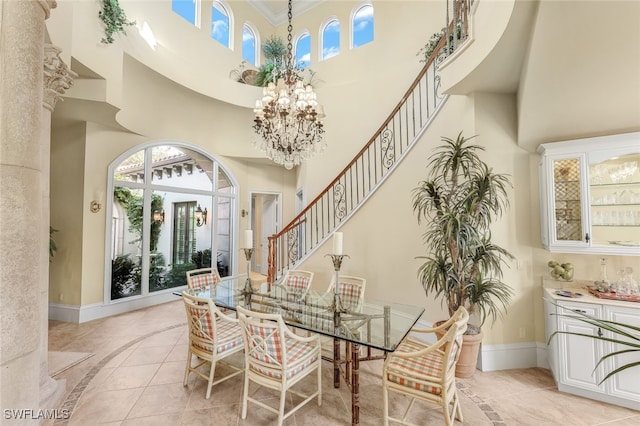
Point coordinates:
[(567, 199), (614, 192)]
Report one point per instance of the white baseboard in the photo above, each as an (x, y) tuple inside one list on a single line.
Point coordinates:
[(80, 314), (505, 356)]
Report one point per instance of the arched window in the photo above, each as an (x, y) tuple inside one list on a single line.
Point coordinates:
[(250, 44), (188, 9), (172, 209), (362, 25), (303, 50), (221, 24), (330, 39)]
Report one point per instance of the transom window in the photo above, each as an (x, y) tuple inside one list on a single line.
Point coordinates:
[(249, 44), (330, 39), (303, 51), (362, 26), (188, 9), (221, 23), (172, 208)]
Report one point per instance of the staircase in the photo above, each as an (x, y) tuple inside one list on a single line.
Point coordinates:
[(374, 163)]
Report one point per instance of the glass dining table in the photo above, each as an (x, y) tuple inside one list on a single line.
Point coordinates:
[(376, 325)]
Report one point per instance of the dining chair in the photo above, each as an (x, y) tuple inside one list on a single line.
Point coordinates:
[(203, 278), (351, 291), (296, 281), (213, 336), (426, 372), (276, 358)]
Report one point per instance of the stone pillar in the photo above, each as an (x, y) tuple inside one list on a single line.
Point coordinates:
[(57, 79), (22, 31)]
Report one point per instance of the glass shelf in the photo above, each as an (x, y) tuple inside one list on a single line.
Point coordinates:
[(610, 185)]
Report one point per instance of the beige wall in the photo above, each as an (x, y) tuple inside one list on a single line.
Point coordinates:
[(359, 89)]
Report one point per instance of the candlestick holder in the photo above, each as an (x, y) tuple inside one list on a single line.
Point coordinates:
[(248, 288), (336, 305)]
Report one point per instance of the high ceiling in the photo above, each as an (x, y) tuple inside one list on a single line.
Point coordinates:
[(275, 11)]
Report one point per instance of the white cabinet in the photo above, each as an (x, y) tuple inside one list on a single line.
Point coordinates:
[(624, 385), (590, 195), (573, 358)]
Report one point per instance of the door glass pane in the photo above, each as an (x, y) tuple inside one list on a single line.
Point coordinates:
[(131, 169), (568, 215), (126, 249), (224, 184), (223, 236), (615, 201)]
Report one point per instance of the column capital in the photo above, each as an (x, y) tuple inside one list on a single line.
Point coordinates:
[(57, 76), (47, 5)]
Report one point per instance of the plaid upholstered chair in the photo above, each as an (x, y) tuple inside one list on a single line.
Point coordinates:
[(203, 278), (427, 372), (296, 282), (212, 337), (351, 290), (276, 358)]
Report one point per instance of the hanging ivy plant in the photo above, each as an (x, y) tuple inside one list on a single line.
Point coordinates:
[(114, 18)]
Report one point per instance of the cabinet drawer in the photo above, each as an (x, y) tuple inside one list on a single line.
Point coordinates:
[(569, 308)]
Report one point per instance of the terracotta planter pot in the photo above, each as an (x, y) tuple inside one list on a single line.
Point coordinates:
[(468, 360)]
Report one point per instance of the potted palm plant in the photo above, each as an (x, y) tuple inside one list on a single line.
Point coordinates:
[(458, 202)]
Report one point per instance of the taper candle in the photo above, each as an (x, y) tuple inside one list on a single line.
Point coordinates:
[(248, 239), (337, 243)]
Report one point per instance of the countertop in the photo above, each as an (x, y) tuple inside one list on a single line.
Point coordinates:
[(586, 297)]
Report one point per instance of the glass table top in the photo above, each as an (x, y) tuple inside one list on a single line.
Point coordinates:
[(379, 325)]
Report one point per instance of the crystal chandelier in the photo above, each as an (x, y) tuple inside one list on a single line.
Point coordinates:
[(288, 119)]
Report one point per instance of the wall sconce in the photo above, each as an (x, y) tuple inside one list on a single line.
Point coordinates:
[(244, 213), (96, 204), (158, 216), (201, 216)]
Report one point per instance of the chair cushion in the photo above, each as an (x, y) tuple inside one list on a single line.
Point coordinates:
[(403, 371), (295, 351), (297, 284), (202, 281), (229, 336), (350, 295)]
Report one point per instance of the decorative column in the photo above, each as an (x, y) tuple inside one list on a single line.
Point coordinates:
[(22, 32), (57, 79)]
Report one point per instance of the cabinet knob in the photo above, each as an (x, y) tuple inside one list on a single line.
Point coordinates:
[(587, 237), (580, 311), (599, 332)]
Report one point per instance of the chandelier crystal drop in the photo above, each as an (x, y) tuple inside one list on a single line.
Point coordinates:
[(288, 118)]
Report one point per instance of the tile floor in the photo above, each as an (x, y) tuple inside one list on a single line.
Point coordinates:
[(135, 378)]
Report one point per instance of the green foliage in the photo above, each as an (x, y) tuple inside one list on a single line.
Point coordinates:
[(125, 277), (177, 276), (621, 334), (202, 259), (274, 67), (52, 244), (459, 200), (156, 271), (134, 206), (428, 49), (114, 18)]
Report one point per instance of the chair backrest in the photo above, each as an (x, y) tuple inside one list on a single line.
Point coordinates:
[(201, 319), (297, 281), (351, 290), (452, 340), (203, 278), (264, 337)]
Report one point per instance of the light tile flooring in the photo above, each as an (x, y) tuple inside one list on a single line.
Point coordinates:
[(135, 378)]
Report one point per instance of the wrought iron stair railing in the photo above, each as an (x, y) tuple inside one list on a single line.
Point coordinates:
[(371, 166)]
